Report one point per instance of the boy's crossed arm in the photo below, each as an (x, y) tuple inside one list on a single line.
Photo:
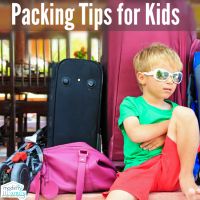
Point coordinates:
[(150, 135), (153, 143)]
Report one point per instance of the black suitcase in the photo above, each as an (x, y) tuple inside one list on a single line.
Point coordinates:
[(75, 102)]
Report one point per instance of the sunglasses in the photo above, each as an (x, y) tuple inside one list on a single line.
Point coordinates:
[(163, 75)]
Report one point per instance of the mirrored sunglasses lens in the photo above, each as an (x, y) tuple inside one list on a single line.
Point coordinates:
[(177, 77), (162, 75)]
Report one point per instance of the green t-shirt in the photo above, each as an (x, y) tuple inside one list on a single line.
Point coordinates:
[(147, 114)]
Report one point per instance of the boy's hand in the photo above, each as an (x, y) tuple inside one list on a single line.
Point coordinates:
[(154, 143)]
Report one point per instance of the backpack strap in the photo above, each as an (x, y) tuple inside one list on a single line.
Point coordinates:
[(83, 154), (37, 185)]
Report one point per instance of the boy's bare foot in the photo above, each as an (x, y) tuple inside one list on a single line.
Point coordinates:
[(189, 188)]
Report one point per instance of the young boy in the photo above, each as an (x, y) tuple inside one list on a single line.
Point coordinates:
[(160, 137)]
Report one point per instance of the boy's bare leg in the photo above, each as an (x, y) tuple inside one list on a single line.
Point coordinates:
[(184, 130), (120, 195)]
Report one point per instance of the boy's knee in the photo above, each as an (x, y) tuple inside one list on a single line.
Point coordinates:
[(120, 195), (183, 113)]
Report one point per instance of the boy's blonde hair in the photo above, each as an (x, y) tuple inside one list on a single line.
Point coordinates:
[(147, 58)]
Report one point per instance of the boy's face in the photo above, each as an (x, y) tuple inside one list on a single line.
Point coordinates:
[(156, 88)]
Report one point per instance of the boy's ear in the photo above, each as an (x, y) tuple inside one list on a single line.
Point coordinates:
[(141, 78)]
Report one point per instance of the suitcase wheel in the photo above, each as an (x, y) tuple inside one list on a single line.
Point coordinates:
[(20, 173), (4, 173)]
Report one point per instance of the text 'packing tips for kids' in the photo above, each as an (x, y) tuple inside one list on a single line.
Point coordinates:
[(132, 15)]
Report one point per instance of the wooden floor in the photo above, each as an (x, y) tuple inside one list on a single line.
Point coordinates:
[(98, 196)]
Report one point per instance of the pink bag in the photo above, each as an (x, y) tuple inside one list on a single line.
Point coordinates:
[(73, 168)]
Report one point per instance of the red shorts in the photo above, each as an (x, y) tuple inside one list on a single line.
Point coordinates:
[(161, 173)]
